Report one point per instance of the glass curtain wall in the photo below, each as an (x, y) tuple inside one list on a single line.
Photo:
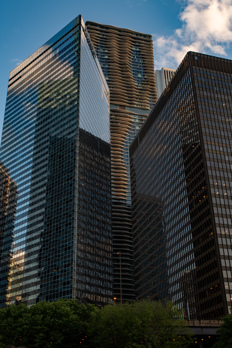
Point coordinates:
[(41, 147), (181, 170)]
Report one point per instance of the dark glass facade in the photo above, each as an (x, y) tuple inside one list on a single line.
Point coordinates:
[(126, 58), (181, 191), (56, 145)]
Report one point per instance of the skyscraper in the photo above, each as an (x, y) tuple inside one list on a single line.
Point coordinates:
[(126, 58), (181, 168), (56, 145), (162, 79)]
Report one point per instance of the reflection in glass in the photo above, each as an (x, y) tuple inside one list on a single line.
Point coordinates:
[(57, 100), (8, 257)]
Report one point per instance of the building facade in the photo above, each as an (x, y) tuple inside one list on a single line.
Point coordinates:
[(8, 200), (181, 168), (56, 145), (162, 79), (126, 58)]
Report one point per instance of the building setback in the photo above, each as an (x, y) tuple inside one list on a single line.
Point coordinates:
[(126, 58), (56, 145), (182, 192)]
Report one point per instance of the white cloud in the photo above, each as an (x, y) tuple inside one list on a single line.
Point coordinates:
[(17, 61), (206, 27)]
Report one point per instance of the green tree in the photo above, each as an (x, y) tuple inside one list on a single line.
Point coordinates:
[(225, 334), (12, 319), (57, 324), (67, 324), (142, 324)]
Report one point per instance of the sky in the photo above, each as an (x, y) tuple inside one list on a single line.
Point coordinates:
[(177, 26)]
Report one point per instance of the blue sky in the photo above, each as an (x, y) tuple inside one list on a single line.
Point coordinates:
[(177, 27)]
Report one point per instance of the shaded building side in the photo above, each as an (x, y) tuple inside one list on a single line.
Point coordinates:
[(182, 157)]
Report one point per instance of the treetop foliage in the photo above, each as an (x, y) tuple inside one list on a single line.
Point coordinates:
[(68, 324), (225, 334)]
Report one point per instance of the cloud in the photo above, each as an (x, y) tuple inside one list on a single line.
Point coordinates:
[(17, 61), (206, 27)]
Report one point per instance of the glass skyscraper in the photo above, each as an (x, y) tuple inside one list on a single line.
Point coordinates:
[(126, 58), (181, 167), (55, 144)]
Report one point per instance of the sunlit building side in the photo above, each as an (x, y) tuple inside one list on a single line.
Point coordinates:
[(162, 79), (8, 201)]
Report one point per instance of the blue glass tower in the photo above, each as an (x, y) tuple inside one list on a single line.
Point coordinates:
[(56, 145)]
